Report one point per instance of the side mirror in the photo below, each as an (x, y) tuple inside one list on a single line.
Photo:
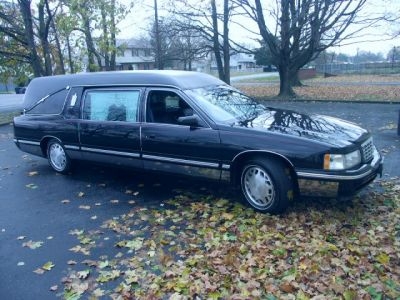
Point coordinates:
[(191, 121)]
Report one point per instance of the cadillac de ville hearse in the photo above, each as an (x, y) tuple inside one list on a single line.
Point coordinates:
[(193, 124)]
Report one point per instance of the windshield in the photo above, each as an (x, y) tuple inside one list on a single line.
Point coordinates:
[(225, 104)]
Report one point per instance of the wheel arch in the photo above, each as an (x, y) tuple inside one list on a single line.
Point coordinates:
[(241, 158), (45, 141)]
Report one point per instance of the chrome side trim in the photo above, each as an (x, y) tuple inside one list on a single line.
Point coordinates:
[(28, 142), (70, 147), (181, 161), (226, 166), (103, 151), (330, 176), (263, 151)]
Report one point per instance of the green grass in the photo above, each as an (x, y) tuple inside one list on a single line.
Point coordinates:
[(7, 117), (262, 79)]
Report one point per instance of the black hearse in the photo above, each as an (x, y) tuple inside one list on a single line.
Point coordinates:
[(193, 124)]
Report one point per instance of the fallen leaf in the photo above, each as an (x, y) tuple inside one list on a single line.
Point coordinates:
[(39, 271), (48, 266), (54, 288), (32, 186), (83, 274), (33, 173), (32, 245), (81, 194), (86, 207)]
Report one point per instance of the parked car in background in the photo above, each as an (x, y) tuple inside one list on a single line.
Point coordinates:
[(20, 89), (195, 125)]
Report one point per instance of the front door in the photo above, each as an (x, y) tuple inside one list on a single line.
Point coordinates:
[(169, 146)]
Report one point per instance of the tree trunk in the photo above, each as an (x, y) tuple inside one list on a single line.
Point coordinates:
[(43, 34), (90, 46), (294, 78), (113, 58), (59, 50), (216, 45), (25, 8), (226, 46), (71, 63), (105, 37), (285, 88)]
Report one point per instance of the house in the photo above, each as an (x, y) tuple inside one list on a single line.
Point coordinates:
[(134, 54)]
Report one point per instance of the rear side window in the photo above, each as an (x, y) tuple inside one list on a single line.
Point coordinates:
[(52, 105), (111, 105)]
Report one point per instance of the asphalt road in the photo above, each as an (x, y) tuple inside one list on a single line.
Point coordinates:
[(10, 102), (37, 205)]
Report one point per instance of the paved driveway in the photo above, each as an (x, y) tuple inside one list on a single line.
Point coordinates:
[(10, 102), (39, 209)]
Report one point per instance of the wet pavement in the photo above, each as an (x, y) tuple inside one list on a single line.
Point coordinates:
[(40, 208)]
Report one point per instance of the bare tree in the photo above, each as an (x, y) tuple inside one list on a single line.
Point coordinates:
[(302, 30), (207, 19)]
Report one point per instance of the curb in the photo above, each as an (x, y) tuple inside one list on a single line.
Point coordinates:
[(327, 101)]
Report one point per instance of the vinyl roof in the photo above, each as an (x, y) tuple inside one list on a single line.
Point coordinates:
[(43, 86)]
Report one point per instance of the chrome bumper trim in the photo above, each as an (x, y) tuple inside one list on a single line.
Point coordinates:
[(365, 169)]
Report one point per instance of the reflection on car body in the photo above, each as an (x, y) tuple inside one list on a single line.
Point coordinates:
[(193, 124)]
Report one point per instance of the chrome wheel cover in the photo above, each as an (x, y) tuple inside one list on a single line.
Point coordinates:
[(258, 187), (57, 156)]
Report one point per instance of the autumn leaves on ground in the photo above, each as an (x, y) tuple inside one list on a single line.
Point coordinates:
[(196, 246), (385, 88)]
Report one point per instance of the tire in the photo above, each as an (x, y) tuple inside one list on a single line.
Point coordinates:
[(267, 185), (57, 157)]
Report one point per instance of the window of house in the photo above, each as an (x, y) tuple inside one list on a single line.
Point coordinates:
[(135, 52), (111, 105)]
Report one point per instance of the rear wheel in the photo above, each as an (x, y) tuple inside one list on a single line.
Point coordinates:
[(58, 158), (266, 184)]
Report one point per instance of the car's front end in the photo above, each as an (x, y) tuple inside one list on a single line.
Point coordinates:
[(342, 174), (328, 156)]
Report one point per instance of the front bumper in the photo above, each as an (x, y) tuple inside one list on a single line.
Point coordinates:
[(337, 184)]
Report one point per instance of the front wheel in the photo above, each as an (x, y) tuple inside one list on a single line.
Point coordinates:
[(266, 184), (58, 158)]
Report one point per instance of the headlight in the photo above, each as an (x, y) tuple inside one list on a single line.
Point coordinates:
[(341, 161)]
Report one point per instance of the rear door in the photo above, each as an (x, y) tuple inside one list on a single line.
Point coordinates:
[(110, 128)]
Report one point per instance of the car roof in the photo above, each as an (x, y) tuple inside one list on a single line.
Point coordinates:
[(40, 87)]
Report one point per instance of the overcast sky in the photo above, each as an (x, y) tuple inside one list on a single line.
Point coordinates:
[(375, 39)]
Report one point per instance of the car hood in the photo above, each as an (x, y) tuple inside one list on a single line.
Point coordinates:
[(324, 129)]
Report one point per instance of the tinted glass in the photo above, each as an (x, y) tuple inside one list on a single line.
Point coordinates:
[(51, 105)]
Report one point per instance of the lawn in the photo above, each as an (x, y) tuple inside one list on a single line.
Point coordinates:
[(384, 88), (7, 117)]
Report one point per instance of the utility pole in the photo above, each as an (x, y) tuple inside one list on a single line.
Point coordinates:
[(158, 62)]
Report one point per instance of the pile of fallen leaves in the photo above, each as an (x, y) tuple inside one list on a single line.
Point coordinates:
[(345, 88), (197, 246)]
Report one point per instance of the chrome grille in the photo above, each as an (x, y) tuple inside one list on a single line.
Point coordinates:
[(367, 150)]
